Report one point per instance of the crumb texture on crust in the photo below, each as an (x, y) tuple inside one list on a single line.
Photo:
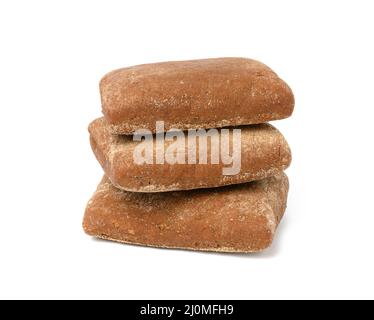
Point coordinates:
[(238, 218), (208, 93)]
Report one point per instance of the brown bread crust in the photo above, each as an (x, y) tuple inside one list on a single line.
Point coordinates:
[(264, 153), (238, 218), (209, 93)]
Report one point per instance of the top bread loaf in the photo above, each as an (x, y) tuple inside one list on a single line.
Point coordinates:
[(210, 93)]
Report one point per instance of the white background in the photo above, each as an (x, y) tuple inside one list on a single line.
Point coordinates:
[(52, 56)]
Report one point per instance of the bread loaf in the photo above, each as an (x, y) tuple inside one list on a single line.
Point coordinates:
[(238, 218), (210, 93), (263, 152)]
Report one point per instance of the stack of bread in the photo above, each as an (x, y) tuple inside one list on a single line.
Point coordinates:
[(158, 193)]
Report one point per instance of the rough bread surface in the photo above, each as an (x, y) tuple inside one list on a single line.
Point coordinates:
[(238, 218), (264, 153), (208, 93)]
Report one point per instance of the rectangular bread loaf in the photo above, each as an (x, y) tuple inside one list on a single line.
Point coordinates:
[(262, 149), (208, 93), (238, 218)]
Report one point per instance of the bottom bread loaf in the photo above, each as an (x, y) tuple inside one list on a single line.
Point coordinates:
[(238, 218)]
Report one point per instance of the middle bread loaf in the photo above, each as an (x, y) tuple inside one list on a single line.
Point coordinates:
[(263, 152)]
